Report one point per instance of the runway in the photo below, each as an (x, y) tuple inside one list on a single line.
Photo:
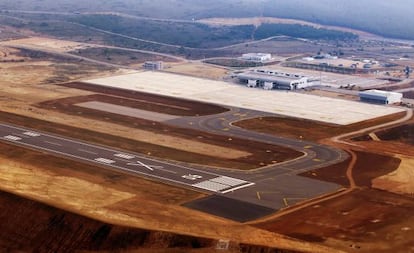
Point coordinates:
[(233, 194), (121, 160)]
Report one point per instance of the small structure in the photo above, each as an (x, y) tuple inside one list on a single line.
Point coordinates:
[(269, 79), (380, 97), (256, 57), (153, 65)]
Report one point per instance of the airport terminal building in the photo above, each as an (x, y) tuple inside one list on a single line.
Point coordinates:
[(269, 79)]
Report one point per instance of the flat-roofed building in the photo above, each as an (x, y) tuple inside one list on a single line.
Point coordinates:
[(256, 57), (380, 97), (153, 65), (269, 79)]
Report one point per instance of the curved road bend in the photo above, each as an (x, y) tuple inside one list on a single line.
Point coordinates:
[(276, 186), (314, 155)]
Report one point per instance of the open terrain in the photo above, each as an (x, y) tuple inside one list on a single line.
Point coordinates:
[(367, 206)]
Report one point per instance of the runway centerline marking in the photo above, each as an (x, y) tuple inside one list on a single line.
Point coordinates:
[(53, 143), (87, 151)]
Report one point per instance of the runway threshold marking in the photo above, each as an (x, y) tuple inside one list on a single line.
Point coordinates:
[(223, 184)]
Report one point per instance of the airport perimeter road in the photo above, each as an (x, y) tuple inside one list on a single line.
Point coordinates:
[(120, 160)]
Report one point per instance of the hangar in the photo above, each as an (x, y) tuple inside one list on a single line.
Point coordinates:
[(269, 79), (380, 97)]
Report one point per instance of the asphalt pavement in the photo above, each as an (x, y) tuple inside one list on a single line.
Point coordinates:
[(267, 189)]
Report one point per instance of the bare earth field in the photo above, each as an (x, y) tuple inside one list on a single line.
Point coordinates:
[(111, 197), (295, 127), (371, 217), (54, 44), (197, 69), (121, 212), (121, 57)]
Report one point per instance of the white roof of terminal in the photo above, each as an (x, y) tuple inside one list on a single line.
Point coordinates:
[(266, 77), (293, 104)]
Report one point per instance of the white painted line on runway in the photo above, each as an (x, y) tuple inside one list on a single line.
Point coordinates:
[(66, 139), (32, 134), (141, 164), (228, 181), (87, 151), (237, 188), (12, 138), (222, 184), (53, 143), (192, 177), (125, 156), (111, 163), (211, 186), (104, 160)]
